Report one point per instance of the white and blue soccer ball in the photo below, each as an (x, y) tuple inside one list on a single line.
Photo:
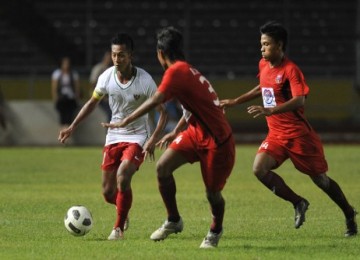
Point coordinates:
[(78, 220)]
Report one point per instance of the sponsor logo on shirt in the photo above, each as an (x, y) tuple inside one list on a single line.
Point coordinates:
[(268, 97)]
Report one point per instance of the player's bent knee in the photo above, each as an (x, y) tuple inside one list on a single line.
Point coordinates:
[(322, 181), (259, 172), (162, 170), (108, 196)]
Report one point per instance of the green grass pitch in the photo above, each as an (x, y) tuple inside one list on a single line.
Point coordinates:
[(38, 185)]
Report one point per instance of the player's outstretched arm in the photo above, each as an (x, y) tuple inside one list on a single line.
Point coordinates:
[(168, 138), (149, 146), (250, 95), (289, 105), (88, 107), (145, 107)]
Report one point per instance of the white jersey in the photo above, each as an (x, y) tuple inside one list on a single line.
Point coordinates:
[(123, 100)]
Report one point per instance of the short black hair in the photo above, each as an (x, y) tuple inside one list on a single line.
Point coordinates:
[(276, 31), (123, 39), (170, 41)]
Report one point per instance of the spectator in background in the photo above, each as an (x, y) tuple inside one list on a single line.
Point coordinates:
[(2, 111), (65, 90), (96, 71)]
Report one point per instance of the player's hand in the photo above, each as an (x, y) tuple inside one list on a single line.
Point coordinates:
[(119, 124), (64, 134), (227, 103), (166, 140), (256, 111), (149, 150)]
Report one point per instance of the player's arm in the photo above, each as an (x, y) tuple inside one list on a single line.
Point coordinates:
[(289, 105), (250, 95), (77, 89), (169, 137), (161, 122), (145, 107), (149, 146), (54, 86), (86, 110)]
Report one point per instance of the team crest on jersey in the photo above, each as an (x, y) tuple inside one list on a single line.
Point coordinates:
[(278, 79), (136, 96)]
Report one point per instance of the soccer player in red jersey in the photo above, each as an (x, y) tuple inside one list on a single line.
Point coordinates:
[(202, 135), (283, 89)]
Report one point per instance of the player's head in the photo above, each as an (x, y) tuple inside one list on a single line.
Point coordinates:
[(273, 41), (65, 63), (122, 48), (170, 44), (276, 31), (123, 39)]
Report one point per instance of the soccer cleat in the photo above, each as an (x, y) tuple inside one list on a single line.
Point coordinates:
[(126, 224), (116, 234), (211, 240), (166, 229), (351, 226), (300, 210)]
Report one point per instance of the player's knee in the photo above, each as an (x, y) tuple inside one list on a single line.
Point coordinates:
[(322, 181), (108, 196), (161, 169), (259, 172), (214, 197)]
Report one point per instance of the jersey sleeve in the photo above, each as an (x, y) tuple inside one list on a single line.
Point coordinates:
[(261, 65), (100, 90), (297, 82), (151, 87), (168, 84), (55, 75)]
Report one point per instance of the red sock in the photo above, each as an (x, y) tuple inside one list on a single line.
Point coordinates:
[(123, 205)]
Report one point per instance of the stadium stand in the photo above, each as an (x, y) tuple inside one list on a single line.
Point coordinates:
[(221, 39), (221, 36)]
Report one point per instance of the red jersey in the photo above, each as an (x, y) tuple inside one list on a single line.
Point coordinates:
[(278, 85), (195, 93)]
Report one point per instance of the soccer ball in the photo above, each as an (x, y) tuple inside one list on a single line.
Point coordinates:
[(78, 220)]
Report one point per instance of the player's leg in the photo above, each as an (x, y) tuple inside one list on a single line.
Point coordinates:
[(124, 196), (109, 167), (169, 161), (216, 167), (313, 163), (262, 168), (333, 190), (109, 188), (270, 156), (131, 158)]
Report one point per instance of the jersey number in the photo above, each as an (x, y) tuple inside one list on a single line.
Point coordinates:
[(210, 88)]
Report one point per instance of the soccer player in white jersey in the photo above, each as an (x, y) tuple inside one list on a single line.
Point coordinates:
[(125, 148)]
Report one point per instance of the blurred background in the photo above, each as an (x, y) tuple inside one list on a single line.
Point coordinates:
[(222, 40)]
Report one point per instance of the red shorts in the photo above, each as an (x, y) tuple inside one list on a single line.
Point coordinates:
[(216, 163), (114, 154), (306, 152)]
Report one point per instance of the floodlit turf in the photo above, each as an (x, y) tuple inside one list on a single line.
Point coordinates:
[(38, 185)]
